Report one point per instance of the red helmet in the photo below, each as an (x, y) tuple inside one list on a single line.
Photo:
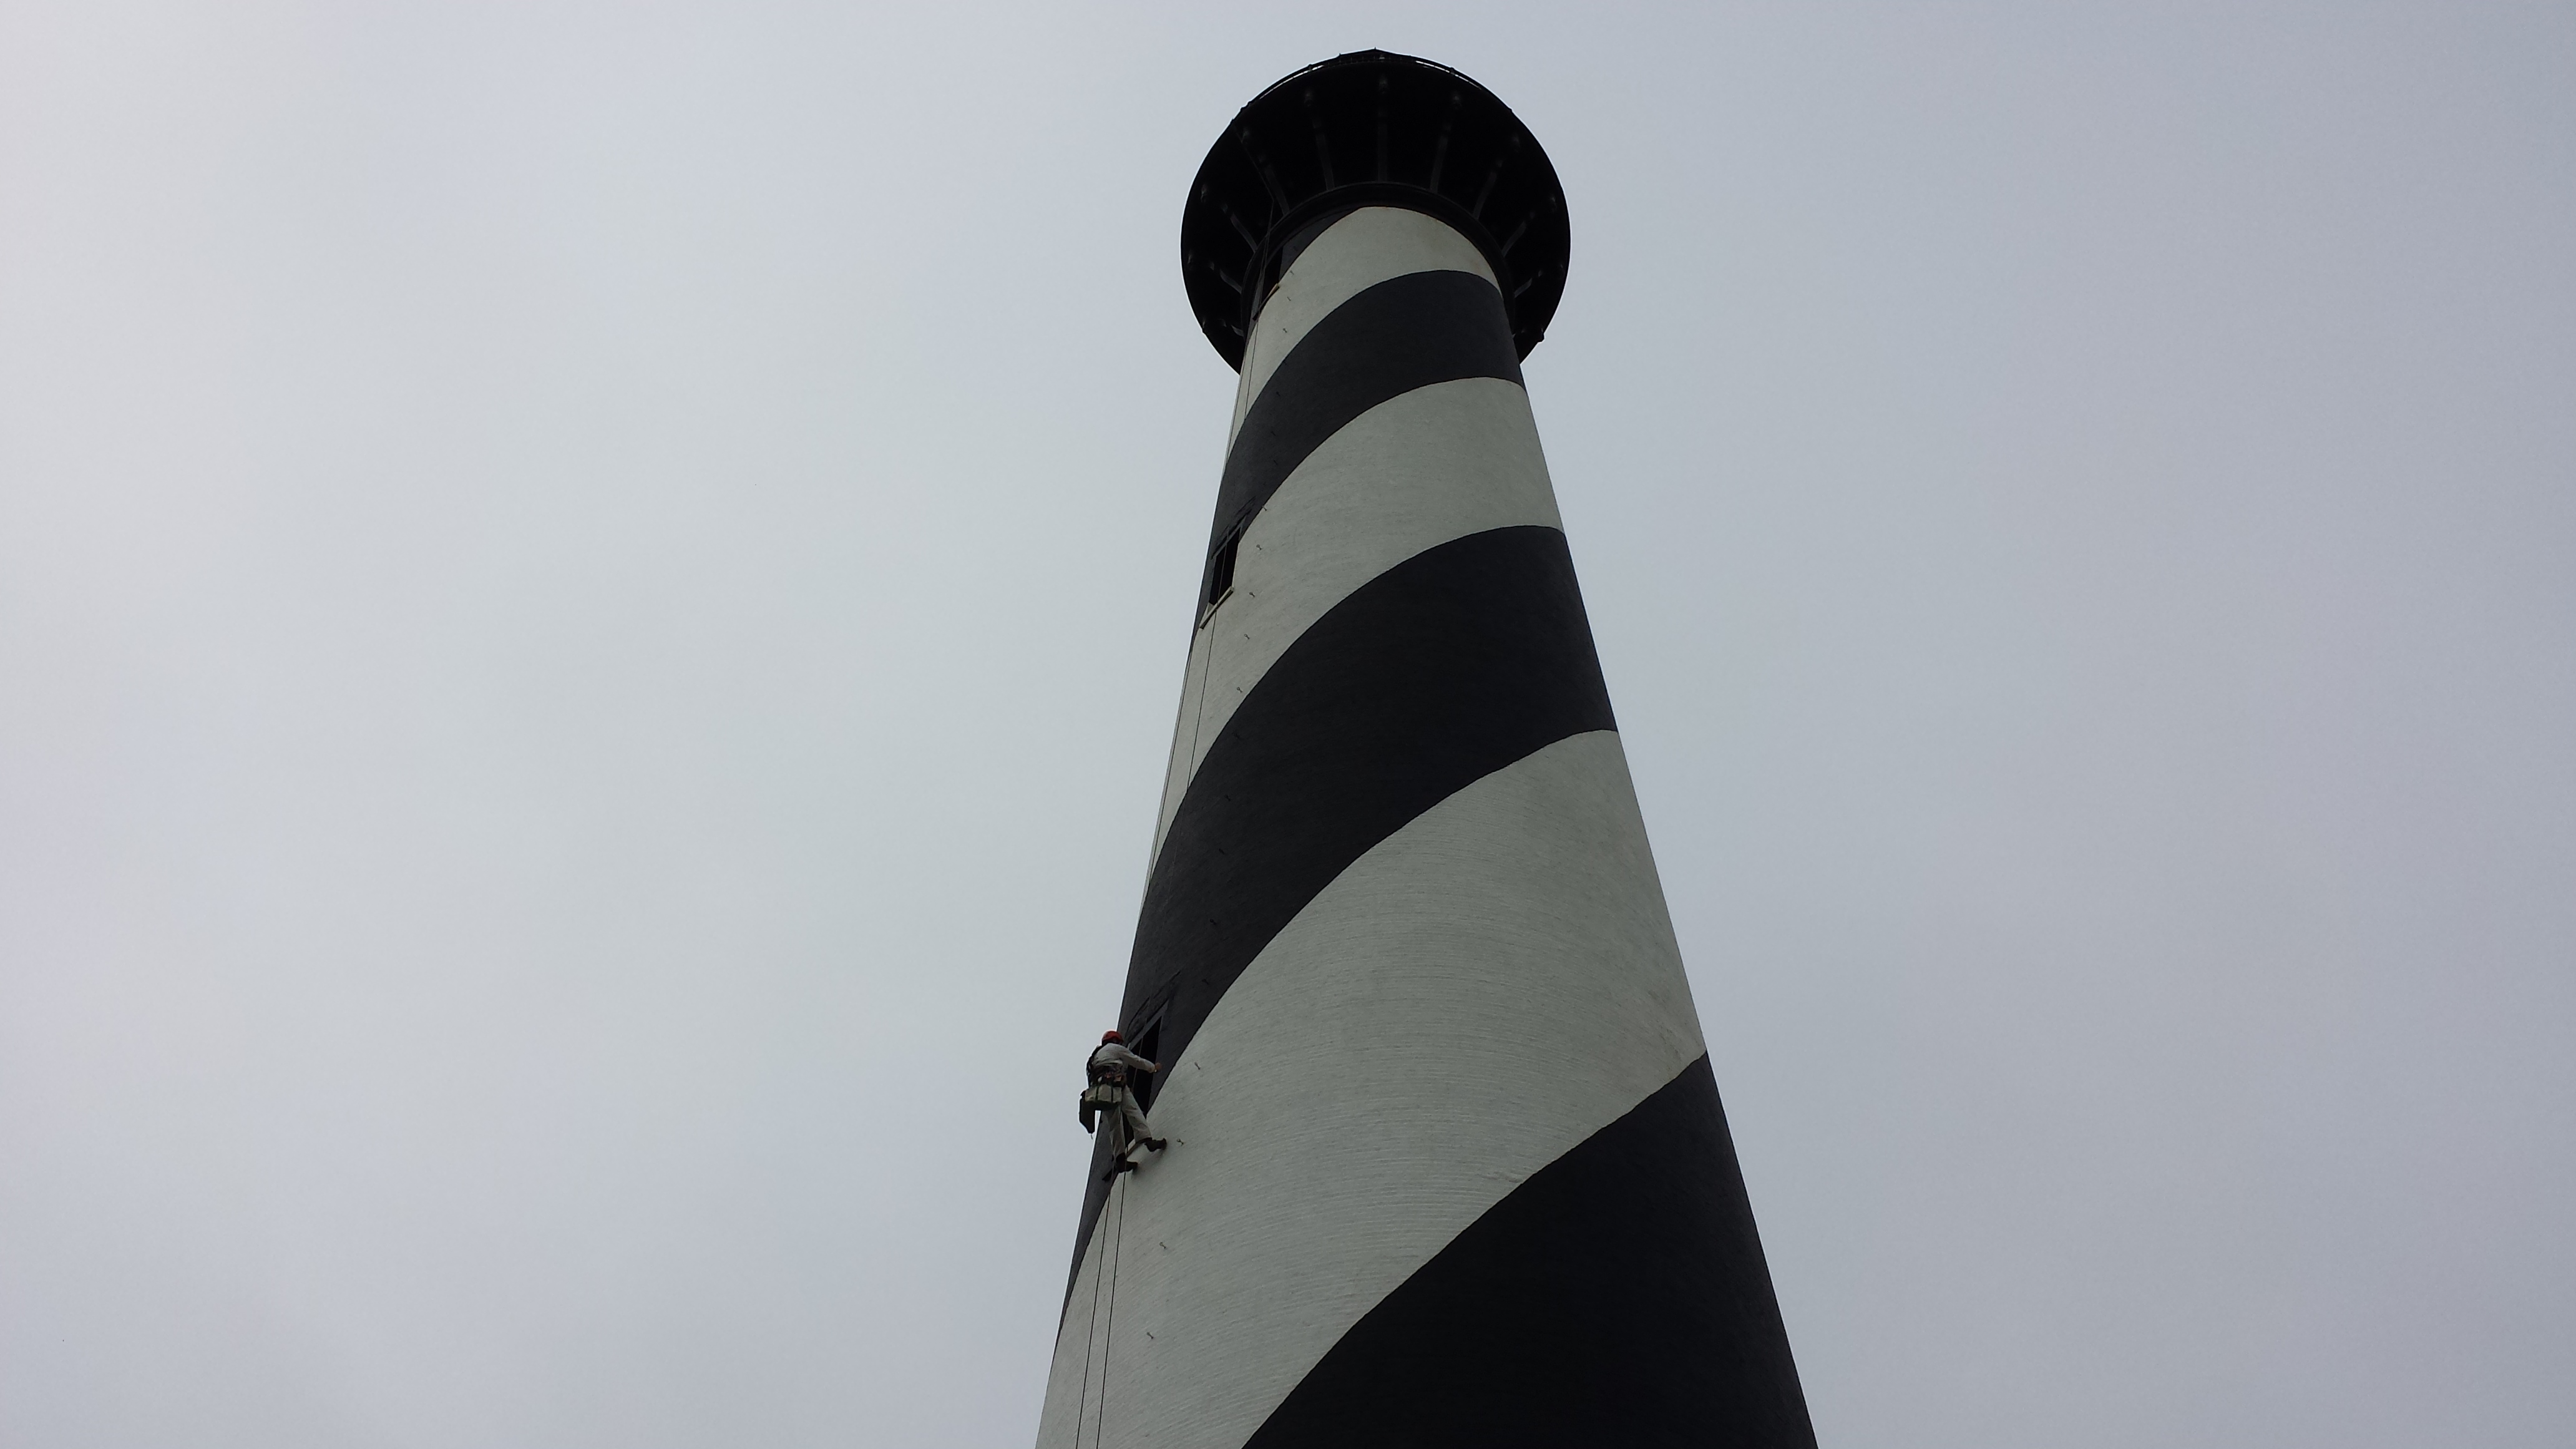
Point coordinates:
[(1107, 1037)]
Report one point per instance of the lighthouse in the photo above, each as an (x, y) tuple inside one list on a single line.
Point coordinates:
[(1448, 1164)]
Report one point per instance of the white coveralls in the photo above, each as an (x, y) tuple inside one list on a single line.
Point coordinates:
[(1126, 1120)]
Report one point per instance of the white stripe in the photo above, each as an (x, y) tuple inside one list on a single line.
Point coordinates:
[(1410, 474), (1484, 990), (1371, 245)]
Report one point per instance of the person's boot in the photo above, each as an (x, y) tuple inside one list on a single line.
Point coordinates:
[(1155, 1144)]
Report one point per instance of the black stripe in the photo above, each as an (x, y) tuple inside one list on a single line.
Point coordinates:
[(1617, 1297), (1438, 672), (1401, 334)]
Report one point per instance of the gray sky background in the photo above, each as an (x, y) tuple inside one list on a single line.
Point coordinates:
[(591, 600)]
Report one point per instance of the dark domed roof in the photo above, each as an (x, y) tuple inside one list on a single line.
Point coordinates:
[(1370, 129)]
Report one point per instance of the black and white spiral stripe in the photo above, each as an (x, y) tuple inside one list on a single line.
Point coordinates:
[(1449, 1164)]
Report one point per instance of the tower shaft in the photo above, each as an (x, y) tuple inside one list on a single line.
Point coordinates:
[(1448, 1160)]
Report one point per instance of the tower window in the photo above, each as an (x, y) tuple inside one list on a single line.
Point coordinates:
[(1221, 572), (1149, 1045)]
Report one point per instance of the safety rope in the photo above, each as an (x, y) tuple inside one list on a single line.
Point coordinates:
[(1091, 1341), (1198, 717), (1109, 1334), (1103, 1336)]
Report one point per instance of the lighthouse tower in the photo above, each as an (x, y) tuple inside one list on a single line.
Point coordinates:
[(1447, 1163)]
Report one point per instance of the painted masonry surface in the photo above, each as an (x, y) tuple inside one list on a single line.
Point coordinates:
[(1448, 1162)]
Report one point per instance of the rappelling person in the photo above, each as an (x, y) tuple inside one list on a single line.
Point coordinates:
[(1112, 1069)]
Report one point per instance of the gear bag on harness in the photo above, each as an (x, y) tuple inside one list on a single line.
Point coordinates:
[(1108, 1087)]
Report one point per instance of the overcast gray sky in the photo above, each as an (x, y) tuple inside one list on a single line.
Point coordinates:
[(591, 600)]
